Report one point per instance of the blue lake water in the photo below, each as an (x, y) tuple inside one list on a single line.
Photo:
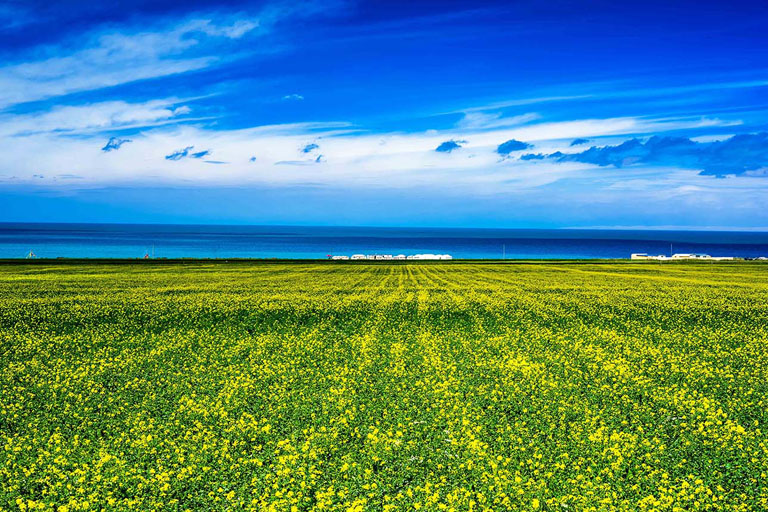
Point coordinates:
[(192, 241)]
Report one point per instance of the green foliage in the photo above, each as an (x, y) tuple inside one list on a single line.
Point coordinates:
[(383, 387)]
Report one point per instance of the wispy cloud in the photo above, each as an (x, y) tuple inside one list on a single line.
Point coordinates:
[(109, 57), (615, 90), (294, 162), (293, 97), (519, 102), (488, 121), (14, 16), (103, 116)]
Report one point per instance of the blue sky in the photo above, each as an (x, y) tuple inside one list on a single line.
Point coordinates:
[(508, 114)]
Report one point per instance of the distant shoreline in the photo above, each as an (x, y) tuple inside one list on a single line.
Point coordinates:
[(126, 242)]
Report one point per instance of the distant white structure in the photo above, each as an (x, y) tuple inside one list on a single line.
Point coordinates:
[(390, 257), (644, 256), (679, 256), (430, 257)]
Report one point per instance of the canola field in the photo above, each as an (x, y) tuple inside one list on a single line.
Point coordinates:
[(353, 387)]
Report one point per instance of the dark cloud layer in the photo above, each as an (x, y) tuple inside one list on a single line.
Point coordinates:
[(511, 145), (179, 153), (449, 145), (739, 155), (114, 144)]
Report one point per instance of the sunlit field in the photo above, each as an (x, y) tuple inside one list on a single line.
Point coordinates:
[(295, 387)]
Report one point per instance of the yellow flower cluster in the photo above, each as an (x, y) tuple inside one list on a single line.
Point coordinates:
[(355, 387)]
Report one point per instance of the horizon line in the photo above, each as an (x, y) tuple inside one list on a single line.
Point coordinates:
[(725, 229)]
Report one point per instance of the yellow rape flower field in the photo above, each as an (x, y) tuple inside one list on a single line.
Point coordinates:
[(352, 387)]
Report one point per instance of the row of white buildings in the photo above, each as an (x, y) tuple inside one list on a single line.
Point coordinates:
[(679, 256), (396, 257)]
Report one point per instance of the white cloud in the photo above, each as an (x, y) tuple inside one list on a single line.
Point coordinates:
[(351, 157), (473, 120), (111, 58), (235, 30), (94, 117), (521, 102), (179, 111), (712, 138), (114, 55), (612, 90)]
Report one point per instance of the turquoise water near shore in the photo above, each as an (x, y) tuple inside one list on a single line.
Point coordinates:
[(308, 242)]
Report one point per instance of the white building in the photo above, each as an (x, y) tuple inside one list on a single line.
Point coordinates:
[(679, 256), (390, 257), (430, 256)]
